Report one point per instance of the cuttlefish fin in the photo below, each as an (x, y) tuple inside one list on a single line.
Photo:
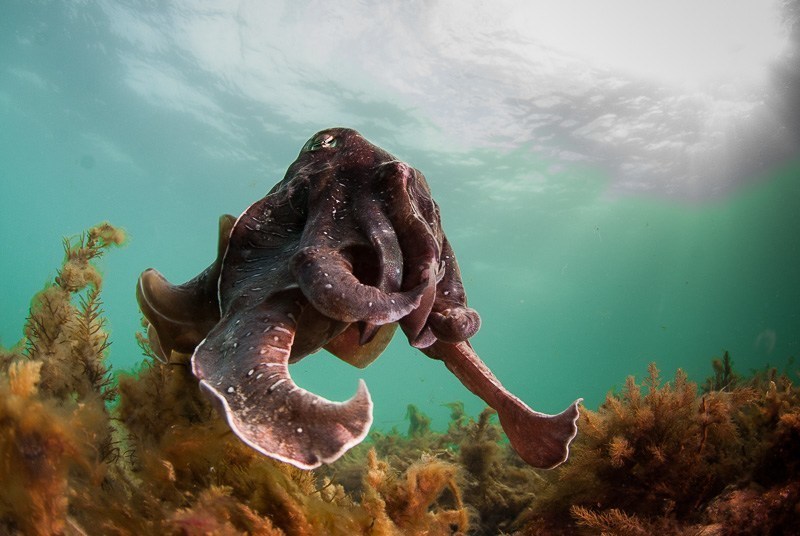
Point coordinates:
[(541, 440), (180, 316), (347, 345), (244, 365)]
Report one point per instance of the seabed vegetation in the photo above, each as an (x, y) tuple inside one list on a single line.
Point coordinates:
[(85, 452)]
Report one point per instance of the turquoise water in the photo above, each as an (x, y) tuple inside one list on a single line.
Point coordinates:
[(604, 215)]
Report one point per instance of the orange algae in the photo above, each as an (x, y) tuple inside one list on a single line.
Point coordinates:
[(82, 452)]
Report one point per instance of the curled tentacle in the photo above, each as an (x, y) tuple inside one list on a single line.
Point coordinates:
[(244, 365), (326, 278), (376, 226), (451, 320), (414, 218)]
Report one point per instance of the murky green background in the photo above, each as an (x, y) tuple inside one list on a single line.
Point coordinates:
[(615, 196)]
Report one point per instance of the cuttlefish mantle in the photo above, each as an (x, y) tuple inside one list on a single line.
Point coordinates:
[(342, 251)]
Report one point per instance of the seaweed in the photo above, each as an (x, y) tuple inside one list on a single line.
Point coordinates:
[(724, 376), (660, 457), (54, 425), (494, 484)]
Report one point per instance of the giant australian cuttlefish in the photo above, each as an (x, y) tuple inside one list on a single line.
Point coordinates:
[(346, 247)]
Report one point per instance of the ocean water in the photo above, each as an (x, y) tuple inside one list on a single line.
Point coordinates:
[(615, 195)]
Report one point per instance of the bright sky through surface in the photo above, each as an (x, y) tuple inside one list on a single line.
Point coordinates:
[(689, 43), (670, 98)]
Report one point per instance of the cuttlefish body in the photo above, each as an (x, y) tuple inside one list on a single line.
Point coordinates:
[(345, 248)]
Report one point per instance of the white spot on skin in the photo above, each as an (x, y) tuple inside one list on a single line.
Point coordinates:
[(299, 430), (250, 372), (276, 384), (230, 389), (328, 285), (259, 375)]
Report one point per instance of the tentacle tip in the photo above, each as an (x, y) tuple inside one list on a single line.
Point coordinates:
[(424, 338), (455, 325), (313, 439), (542, 441), (565, 432)]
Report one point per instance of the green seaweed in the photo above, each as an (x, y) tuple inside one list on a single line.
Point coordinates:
[(143, 452), (418, 423)]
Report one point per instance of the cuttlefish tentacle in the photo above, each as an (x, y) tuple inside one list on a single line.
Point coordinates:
[(180, 316), (541, 440), (243, 364), (451, 320), (326, 278), (414, 225), (378, 231)]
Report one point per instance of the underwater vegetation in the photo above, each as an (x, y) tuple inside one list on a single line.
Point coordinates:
[(83, 451), (669, 458)]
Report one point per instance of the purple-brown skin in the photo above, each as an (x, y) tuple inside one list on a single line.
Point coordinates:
[(345, 248)]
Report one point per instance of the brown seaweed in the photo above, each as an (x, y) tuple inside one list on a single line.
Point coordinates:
[(663, 458)]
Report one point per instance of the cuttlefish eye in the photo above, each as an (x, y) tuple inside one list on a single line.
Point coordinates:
[(323, 141)]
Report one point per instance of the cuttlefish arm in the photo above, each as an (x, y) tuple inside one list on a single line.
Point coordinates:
[(244, 365), (541, 440)]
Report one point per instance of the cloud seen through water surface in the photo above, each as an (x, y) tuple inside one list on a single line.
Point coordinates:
[(676, 99)]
